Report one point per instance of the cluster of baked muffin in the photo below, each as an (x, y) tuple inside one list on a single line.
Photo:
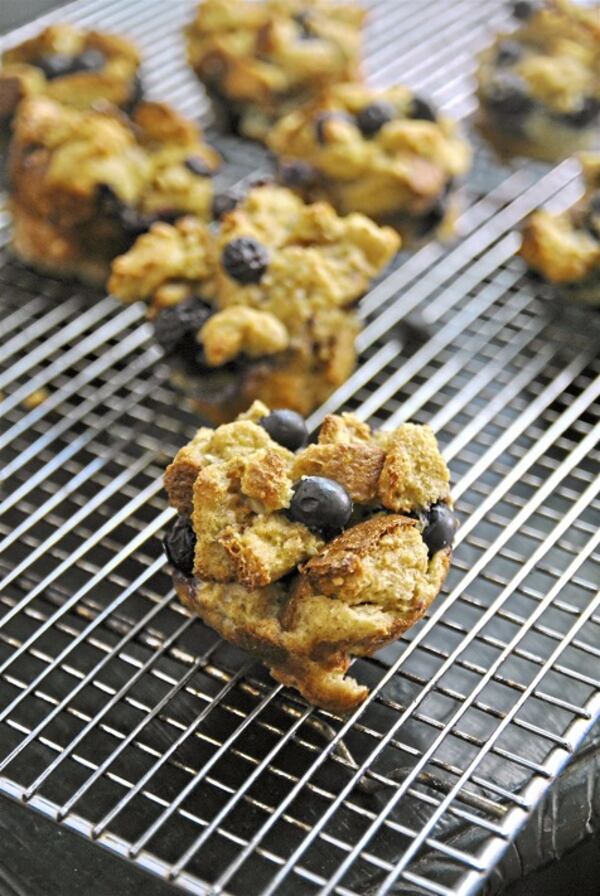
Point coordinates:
[(306, 554)]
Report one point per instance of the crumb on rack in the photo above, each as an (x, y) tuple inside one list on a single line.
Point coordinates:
[(35, 399)]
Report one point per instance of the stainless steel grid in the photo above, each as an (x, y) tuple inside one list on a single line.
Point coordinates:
[(136, 726)]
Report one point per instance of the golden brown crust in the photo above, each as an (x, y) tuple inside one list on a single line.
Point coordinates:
[(397, 173), (356, 466), (296, 653), (414, 472), (114, 82), (254, 56), (62, 159)]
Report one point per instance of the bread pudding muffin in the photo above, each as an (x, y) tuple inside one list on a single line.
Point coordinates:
[(85, 184), (72, 66), (565, 248), (385, 153), (308, 555), (539, 85), (258, 59), (260, 307)]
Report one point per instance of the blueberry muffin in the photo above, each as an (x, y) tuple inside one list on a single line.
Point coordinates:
[(258, 59), (85, 184), (310, 555), (539, 85), (71, 66), (565, 248), (385, 153), (261, 306)]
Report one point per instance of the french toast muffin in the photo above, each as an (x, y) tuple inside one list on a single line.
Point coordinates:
[(308, 555), (385, 153), (565, 248), (539, 85), (85, 184), (72, 66), (258, 59), (262, 306)]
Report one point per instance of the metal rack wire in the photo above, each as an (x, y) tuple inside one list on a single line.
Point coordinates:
[(134, 725)]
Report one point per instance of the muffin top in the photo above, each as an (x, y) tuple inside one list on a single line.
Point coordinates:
[(352, 132), (72, 66), (261, 511), (272, 268), (552, 58), (565, 248), (256, 50), (76, 162)]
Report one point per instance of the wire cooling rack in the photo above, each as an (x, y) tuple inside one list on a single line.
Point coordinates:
[(129, 722)]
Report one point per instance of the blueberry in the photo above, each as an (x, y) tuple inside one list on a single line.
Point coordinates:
[(245, 259), (322, 120), (108, 202), (134, 222), (524, 9), (198, 165), (372, 118), (440, 526), (507, 95), (508, 52), (55, 65), (136, 95), (421, 109), (180, 544), (287, 428), (223, 203), (296, 173), (433, 217), (175, 328), (585, 115), (323, 505), (89, 61)]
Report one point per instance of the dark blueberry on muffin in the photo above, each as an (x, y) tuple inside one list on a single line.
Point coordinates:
[(372, 118), (421, 109), (178, 324), (509, 52), (322, 504), (296, 173), (507, 96), (245, 259), (287, 428), (180, 544)]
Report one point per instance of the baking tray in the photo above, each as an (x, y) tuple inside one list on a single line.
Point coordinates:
[(137, 727)]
